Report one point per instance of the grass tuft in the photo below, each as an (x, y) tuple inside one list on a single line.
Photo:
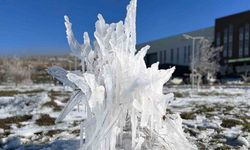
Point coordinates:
[(45, 120), (6, 122)]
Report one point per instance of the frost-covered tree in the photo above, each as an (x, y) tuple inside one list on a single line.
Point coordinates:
[(16, 71), (125, 106), (206, 61)]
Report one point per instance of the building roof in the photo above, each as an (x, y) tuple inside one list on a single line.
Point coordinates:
[(175, 39), (247, 12)]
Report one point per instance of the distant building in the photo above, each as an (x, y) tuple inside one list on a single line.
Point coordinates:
[(232, 32), (175, 50)]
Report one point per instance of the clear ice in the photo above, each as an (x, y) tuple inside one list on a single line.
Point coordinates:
[(124, 101)]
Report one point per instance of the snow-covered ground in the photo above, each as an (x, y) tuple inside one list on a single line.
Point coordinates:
[(27, 115), (217, 117), (214, 117)]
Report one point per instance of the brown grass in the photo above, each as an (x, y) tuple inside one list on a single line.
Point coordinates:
[(53, 104), (53, 132), (6, 122), (187, 115), (228, 123), (15, 92), (45, 120)]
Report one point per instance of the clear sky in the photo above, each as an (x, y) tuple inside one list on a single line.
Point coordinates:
[(37, 26)]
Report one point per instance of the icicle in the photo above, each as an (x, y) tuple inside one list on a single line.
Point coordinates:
[(81, 134), (123, 98)]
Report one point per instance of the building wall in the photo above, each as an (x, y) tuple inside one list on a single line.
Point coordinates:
[(174, 50), (232, 32)]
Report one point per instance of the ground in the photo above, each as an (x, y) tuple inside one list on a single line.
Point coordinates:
[(213, 118)]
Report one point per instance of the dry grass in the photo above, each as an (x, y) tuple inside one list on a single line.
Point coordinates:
[(53, 104), (51, 133), (6, 122), (187, 115), (15, 92), (45, 120), (76, 132), (228, 123)]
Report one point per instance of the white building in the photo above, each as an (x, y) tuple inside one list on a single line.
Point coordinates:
[(174, 50)]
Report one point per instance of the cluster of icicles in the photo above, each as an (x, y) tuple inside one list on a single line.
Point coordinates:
[(123, 98)]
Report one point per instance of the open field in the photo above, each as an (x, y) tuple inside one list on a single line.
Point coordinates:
[(213, 118)]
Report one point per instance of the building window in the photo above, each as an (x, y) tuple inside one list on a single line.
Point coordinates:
[(189, 54), (230, 44), (185, 54), (177, 55), (246, 50), (151, 58), (161, 57), (172, 56), (241, 33), (165, 56), (218, 39), (225, 43)]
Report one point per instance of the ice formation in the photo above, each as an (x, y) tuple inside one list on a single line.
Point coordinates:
[(125, 106)]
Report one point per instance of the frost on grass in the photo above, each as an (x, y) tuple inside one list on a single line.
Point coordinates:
[(123, 98)]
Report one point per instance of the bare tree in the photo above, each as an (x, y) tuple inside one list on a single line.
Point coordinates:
[(16, 71), (206, 61)]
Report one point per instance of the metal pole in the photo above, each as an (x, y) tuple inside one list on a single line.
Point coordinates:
[(75, 64), (186, 36), (193, 62)]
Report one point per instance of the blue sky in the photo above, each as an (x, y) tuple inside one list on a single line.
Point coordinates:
[(29, 27)]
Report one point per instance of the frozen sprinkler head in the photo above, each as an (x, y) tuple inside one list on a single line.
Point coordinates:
[(123, 98)]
